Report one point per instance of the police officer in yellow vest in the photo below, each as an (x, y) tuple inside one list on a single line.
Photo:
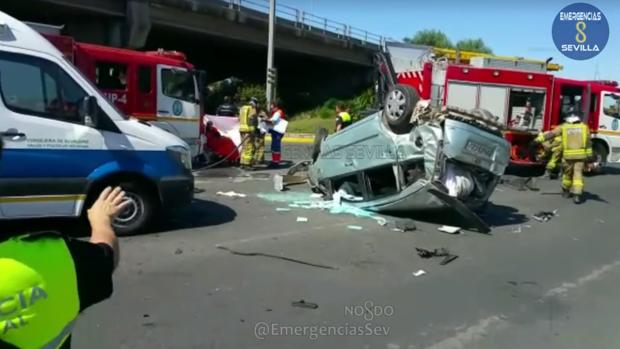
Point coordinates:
[(46, 280), (343, 118), (576, 149), (248, 123)]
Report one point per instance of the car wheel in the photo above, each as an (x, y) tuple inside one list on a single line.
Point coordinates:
[(600, 155), (398, 107), (319, 137)]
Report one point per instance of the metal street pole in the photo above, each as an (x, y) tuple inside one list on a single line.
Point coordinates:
[(272, 23)]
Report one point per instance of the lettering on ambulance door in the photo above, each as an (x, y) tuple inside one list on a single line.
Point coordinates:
[(46, 163), (111, 78), (462, 95)]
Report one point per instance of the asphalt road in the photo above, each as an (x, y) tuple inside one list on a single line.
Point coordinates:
[(527, 285)]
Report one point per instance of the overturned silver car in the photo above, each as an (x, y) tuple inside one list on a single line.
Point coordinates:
[(437, 158)]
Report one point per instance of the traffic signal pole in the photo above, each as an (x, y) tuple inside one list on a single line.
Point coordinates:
[(271, 88)]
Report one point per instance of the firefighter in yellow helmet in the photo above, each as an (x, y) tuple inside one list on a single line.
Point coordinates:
[(576, 149), (47, 279), (248, 123)]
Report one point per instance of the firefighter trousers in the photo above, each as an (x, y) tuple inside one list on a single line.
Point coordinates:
[(249, 149), (259, 144), (572, 176), (556, 154)]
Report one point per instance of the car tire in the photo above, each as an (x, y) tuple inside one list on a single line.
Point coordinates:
[(398, 108), (142, 209), (600, 154), (319, 137)]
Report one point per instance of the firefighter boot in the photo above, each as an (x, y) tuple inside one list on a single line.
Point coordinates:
[(578, 199), (565, 193)]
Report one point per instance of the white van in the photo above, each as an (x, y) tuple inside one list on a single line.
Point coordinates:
[(64, 142)]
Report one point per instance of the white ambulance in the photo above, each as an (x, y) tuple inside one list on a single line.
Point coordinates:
[(64, 142)]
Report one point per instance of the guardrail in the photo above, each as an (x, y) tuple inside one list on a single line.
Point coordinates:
[(310, 22)]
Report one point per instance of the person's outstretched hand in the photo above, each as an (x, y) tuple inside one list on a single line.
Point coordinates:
[(109, 204)]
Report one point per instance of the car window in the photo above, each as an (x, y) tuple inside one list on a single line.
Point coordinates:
[(111, 76), (34, 86)]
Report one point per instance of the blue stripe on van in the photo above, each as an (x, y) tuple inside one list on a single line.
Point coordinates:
[(92, 164)]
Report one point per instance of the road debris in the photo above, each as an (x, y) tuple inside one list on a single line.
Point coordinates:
[(354, 227), (449, 229), (303, 304), (419, 273), (544, 216), (231, 194), (441, 252), (278, 182), (178, 251), (302, 219), (404, 225), (316, 196), (253, 254), (282, 209)]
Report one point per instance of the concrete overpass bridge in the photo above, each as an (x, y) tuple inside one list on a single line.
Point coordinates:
[(314, 55)]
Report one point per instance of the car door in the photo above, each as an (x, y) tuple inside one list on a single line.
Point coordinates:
[(609, 123), (48, 151)]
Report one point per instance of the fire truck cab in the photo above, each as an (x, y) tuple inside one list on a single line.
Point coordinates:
[(521, 94), (160, 87)]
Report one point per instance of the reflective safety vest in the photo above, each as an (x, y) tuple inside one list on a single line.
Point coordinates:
[(346, 118), (247, 119), (575, 141), (39, 299)]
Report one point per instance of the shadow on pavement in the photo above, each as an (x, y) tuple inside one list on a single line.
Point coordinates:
[(494, 215), (201, 213)]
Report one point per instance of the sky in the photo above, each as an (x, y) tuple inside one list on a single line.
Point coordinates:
[(519, 28)]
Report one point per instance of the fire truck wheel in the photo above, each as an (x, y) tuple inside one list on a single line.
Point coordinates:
[(398, 107), (319, 137)]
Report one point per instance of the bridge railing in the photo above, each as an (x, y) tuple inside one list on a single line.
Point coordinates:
[(311, 22)]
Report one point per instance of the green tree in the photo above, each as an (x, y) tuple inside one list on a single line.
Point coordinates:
[(430, 37), (473, 45)]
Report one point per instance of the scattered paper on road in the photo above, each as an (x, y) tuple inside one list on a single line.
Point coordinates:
[(302, 219), (283, 209), (419, 273), (354, 227), (231, 194), (449, 229)]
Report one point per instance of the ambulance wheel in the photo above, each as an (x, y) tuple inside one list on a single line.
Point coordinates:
[(319, 137), (139, 213), (398, 108)]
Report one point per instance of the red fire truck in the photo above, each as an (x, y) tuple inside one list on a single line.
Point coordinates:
[(160, 87), (520, 93)]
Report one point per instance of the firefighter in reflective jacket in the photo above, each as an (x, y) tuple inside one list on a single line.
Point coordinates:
[(576, 149), (248, 122)]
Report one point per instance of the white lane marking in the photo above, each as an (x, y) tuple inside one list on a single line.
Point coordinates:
[(473, 333), (594, 275)]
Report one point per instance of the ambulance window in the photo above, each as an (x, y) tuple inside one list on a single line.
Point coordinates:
[(526, 109), (611, 105), (111, 76), (34, 86), (144, 79)]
